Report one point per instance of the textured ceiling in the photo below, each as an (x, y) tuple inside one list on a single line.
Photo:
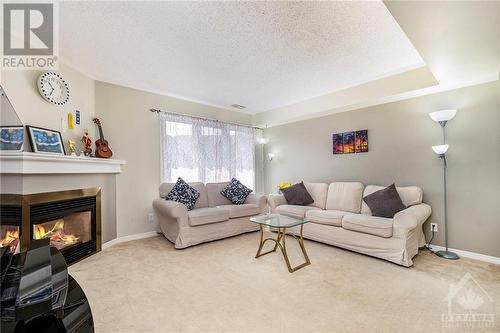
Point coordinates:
[(262, 55)]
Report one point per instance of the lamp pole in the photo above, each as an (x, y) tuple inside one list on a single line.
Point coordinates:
[(445, 254)]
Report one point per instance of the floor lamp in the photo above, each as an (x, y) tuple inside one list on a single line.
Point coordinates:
[(442, 117)]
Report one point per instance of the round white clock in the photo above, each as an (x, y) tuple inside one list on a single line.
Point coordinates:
[(53, 88)]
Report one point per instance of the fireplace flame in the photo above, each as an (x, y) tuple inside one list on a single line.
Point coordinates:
[(56, 235), (10, 236)]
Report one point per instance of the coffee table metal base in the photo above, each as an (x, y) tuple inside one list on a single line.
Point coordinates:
[(280, 242)]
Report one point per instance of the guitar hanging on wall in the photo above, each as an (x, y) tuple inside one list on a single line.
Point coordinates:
[(102, 149)]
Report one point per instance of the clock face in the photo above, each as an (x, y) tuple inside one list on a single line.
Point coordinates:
[(53, 88)]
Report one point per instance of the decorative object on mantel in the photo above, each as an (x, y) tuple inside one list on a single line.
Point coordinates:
[(102, 149), (45, 141), (72, 147), (11, 138), (86, 143), (71, 120), (53, 88), (350, 142), (442, 117)]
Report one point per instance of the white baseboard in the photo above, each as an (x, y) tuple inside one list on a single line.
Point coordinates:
[(129, 238), (467, 254)]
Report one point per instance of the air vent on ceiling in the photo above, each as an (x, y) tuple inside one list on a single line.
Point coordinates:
[(237, 106)]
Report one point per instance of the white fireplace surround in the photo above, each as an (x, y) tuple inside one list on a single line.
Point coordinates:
[(27, 163)]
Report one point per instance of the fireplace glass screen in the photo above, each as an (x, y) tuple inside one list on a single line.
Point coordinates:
[(9, 237), (72, 229)]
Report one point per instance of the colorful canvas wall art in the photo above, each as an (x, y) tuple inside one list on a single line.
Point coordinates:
[(350, 142), (361, 141)]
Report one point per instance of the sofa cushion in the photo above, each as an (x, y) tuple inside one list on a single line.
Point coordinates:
[(378, 226), (203, 216), (346, 196), (183, 193), (297, 195), (318, 192), (236, 192), (410, 195), (241, 210), (327, 217), (202, 201), (385, 202), (297, 211)]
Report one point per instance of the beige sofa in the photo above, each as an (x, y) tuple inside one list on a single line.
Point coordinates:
[(213, 216), (340, 217)]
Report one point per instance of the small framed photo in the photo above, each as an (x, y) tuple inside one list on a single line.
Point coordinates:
[(11, 138), (45, 141)]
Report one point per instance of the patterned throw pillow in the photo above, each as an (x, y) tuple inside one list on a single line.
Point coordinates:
[(236, 192), (183, 193)]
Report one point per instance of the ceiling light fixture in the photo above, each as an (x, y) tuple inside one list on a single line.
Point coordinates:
[(238, 106)]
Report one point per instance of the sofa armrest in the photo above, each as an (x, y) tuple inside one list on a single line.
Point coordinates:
[(257, 199), (409, 219), (276, 200), (169, 208)]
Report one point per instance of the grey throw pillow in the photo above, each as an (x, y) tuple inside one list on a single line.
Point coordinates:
[(297, 195), (385, 202), (236, 192), (183, 193)]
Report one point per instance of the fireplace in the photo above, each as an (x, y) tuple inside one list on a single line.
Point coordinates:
[(71, 220)]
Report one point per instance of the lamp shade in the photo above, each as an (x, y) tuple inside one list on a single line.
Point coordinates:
[(263, 141), (442, 115), (270, 156), (440, 149)]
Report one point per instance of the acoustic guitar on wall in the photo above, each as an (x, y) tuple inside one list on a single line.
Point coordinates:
[(102, 149)]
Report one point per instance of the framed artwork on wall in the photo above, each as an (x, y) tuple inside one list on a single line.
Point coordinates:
[(361, 141), (45, 141), (350, 142), (11, 138)]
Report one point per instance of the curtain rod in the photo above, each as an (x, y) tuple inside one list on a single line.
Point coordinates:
[(219, 121)]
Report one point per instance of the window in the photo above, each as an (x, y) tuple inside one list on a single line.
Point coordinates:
[(201, 150)]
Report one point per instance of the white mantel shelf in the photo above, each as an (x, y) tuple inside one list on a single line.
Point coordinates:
[(34, 163)]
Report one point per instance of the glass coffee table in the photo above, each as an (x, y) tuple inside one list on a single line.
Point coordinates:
[(281, 223)]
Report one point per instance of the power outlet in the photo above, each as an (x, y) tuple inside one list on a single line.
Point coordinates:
[(151, 218), (434, 227)]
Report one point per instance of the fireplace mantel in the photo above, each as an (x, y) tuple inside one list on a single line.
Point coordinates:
[(34, 163)]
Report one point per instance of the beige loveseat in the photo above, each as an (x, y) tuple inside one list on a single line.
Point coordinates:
[(340, 217), (213, 216)]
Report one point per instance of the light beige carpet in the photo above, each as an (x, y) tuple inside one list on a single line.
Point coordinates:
[(148, 286)]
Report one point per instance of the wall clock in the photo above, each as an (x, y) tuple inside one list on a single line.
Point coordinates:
[(53, 88)]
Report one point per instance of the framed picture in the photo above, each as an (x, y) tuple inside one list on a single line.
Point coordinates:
[(350, 142), (11, 138), (45, 141), (338, 143), (361, 141)]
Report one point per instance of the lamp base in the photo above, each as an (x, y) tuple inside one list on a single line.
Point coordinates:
[(447, 255)]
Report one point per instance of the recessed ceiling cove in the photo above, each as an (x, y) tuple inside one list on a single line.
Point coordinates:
[(262, 55)]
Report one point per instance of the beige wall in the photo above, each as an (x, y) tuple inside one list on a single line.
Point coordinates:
[(133, 134), (400, 137), (21, 88)]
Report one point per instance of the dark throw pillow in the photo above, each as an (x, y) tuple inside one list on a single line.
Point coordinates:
[(297, 195), (385, 202), (236, 192), (183, 193)]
